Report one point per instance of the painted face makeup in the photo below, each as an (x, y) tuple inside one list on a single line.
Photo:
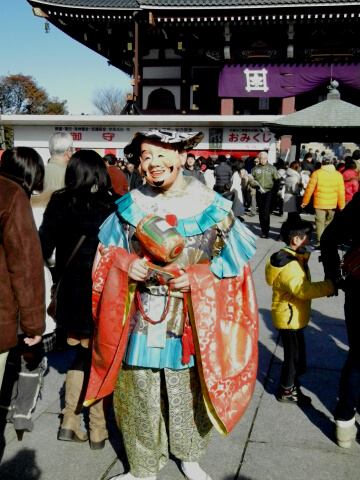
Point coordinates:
[(160, 164)]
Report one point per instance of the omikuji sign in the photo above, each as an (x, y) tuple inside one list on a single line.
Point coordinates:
[(240, 139)]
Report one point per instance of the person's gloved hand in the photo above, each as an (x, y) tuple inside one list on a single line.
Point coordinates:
[(340, 283)]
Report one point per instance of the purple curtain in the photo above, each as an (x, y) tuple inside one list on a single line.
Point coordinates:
[(282, 80)]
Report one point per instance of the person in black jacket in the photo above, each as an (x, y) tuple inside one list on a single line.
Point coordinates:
[(192, 170), (308, 163), (223, 174), (133, 176), (345, 229), (78, 209)]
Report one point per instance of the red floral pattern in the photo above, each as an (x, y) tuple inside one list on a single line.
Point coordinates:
[(226, 331), (110, 287), (226, 323)]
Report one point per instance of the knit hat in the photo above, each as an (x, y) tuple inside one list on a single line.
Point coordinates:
[(183, 140)]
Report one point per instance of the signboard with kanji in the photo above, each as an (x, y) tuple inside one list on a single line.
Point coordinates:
[(103, 138), (249, 139)]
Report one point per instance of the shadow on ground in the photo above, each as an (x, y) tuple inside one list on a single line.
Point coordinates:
[(14, 469), (323, 365)]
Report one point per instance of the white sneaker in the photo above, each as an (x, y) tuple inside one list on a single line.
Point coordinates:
[(345, 432), (193, 471), (128, 476)]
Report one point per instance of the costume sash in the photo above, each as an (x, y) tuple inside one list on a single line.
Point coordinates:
[(225, 325), (111, 302)]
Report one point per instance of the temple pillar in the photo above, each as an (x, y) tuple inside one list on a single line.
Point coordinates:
[(287, 107), (227, 106)]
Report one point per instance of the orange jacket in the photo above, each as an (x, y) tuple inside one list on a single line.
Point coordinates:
[(327, 185)]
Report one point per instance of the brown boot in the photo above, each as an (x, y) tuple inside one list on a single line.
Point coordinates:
[(74, 396), (97, 423)]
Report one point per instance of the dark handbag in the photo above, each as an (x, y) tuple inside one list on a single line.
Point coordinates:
[(51, 309), (351, 263), (299, 200)]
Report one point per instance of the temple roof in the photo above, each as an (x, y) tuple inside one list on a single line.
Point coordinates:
[(98, 4), (176, 4), (331, 113)]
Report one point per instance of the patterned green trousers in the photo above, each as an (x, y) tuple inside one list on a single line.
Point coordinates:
[(157, 411)]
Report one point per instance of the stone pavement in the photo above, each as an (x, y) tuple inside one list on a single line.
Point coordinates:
[(272, 441)]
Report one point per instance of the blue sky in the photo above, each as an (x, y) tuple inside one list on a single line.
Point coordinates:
[(63, 67)]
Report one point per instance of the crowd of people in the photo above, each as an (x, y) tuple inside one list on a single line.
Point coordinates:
[(142, 253)]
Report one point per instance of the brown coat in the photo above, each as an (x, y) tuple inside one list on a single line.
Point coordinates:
[(118, 180), (21, 267)]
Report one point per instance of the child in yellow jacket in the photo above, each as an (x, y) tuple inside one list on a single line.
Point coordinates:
[(288, 273)]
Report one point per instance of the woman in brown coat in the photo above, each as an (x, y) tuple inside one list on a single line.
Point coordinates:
[(21, 263)]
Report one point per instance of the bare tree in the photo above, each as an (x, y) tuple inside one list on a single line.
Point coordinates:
[(109, 101)]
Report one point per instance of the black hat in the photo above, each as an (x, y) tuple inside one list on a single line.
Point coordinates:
[(184, 140), (356, 155)]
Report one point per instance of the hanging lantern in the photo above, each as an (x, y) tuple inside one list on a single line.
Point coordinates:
[(47, 27)]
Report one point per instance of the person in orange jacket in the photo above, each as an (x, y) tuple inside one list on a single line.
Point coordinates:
[(327, 187)]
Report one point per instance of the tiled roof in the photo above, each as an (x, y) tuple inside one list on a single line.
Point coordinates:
[(238, 3), (331, 113), (119, 4), (113, 4)]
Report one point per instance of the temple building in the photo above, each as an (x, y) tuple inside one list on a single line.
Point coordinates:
[(220, 57)]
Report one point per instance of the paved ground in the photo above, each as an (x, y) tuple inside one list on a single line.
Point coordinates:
[(272, 441)]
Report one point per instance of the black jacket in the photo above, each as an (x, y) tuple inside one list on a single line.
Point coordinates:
[(62, 228), (196, 173), (134, 179), (344, 229), (223, 175), (309, 166)]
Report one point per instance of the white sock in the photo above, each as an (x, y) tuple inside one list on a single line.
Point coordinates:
[(345, 423), (128, 476), (193, 471)]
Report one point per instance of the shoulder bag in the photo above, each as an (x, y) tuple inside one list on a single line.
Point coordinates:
[(351, 263), (51, 309)]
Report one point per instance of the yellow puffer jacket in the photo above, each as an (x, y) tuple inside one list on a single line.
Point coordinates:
[(287, 272), (327, 185)]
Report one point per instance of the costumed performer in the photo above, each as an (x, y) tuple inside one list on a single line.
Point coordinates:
[(180, 354)]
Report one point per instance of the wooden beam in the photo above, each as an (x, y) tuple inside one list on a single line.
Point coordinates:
[(136, 62)]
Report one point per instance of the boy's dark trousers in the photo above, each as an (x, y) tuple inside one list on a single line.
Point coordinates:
[(294, 357)]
